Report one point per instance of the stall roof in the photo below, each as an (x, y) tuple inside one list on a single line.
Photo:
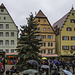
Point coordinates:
[(11, 53), (49, 55)]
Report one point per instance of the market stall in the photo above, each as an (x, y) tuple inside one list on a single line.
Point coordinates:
[(12, 58)]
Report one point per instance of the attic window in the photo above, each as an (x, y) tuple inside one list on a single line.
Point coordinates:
[(44, 20), (2, 10), (72, 13), (69, 29), (72, 21), (4, 18)]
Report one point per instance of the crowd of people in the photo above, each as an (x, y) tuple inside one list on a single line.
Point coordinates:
[(55, 67), (12, 71)]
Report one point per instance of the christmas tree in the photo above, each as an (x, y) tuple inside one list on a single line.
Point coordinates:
[(28, 45)]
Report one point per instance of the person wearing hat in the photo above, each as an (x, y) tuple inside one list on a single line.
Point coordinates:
[(66, 72)]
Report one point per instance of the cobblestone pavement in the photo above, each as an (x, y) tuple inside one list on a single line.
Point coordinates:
[(7, 67)]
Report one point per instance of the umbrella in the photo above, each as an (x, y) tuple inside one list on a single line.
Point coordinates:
[(44, 58), (30, 71), (67, 72), (45, 66), (56, 61), (33, 62)]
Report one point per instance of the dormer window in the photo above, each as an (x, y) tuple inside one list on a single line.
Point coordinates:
[(69, 29)]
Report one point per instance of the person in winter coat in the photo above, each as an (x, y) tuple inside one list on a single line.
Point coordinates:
[(55, 73), (63, 64), (57, 65), (12, 70), (73, 66), (51, 66)]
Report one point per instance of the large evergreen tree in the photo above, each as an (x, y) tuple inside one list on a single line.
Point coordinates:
[(28, 45)]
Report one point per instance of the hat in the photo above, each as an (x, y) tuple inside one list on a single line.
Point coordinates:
[(67, 72)]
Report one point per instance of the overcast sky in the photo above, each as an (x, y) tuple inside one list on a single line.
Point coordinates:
[(53, 9)]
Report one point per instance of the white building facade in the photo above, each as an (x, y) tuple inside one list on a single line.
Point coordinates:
[(8, 31)]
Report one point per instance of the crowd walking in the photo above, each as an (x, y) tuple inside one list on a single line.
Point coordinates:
[(55, 66), (51, 67)]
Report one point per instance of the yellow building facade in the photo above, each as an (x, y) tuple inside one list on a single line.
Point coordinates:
[(47, 34), (65, 35)]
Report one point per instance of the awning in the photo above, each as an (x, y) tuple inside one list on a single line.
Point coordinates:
[(49, 55), (11, 53)]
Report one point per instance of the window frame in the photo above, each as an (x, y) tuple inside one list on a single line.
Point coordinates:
[(43, 44), (64, 37), (72, 47), (69, 29), (50, 51), (1, 42), (7, 51), (12, 42), (7, 34), (72, 21), (50, 44), (48, 29), (44, 20), (11, 34), (66, 48), (1, 34), (2, 10), (50, 36), (44, 29), (1, 26), (7, 26), (6, 42), (12, 50), (43, 51), (43, 36), (73, 38), (4, 18)]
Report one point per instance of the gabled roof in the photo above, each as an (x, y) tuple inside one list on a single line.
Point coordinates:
[(61, 21), (2, 6), (40, 14)]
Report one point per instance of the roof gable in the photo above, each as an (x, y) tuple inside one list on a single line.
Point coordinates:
[(3, 7), (40, 14), (57, 26), (61, 21)]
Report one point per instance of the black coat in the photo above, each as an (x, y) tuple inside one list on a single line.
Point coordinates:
[(55, 73)]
